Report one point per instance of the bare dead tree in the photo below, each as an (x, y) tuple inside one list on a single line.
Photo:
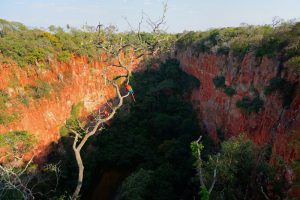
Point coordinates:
[(22, 180), (116, 48)]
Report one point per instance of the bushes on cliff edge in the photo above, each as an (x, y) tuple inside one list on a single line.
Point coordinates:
[(295, 62)]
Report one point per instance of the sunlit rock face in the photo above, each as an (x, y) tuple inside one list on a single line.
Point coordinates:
[(249, 76), (72, 82)]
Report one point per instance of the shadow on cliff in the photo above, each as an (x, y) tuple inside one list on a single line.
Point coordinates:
[(152, 134)]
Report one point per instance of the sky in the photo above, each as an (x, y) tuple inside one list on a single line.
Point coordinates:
[(181, 14)]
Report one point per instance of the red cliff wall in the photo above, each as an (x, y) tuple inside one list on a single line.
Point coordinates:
[(82, 81), (272, 123)]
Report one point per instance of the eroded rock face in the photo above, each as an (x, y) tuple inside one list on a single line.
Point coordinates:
[(71, 83), (272, 124)]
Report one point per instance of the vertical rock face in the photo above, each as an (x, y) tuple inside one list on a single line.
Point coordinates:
[(71, 83), (250, 76)]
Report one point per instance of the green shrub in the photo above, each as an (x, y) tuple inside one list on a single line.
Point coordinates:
[(63, 131), (229, 91), (72, 121), (6, 118), (285, 88), (41, 89), (64, 56), (295, 62), (249, 105), (223, 50), (21, 141), (219, 81), (239, 48), (269, 46), (76, 109), (23, 98), (187, 39), (4, 98), (276, 83), (36, 55)]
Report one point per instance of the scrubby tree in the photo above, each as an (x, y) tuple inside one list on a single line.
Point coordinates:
[(197, 148)]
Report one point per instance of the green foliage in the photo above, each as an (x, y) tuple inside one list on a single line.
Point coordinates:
[(249, 105), (6, 118), (21, 141), (76, 109), (64, 56), (285, 88), (276, 83), (4, 98), (63, 131), (269, 46), (136, 185), (23, 98), (39, 90), (295, 62), (229, 91), (264, 40), (12, 194), (29, 46), (196, 148), (204, 194), (72, 122), (239, 48), (242, 169), (187, 39), (224, 50), (219, 81)]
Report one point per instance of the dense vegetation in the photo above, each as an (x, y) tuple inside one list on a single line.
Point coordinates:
[(38, 47), (280, 41), (243, 172)]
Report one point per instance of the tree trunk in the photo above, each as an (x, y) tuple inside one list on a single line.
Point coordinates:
[(80, 174)]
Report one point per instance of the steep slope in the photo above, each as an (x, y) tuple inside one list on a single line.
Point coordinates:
[(43, 114), (272, 123)]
